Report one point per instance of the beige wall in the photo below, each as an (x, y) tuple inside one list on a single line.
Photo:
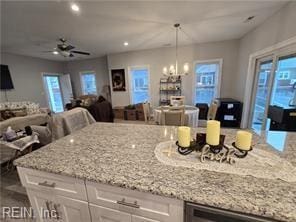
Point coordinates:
[(99, 65), (157, 58), (278, 28), (26, 76), (26, 71)]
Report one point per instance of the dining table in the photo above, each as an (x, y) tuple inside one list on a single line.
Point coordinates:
[(191, 115)]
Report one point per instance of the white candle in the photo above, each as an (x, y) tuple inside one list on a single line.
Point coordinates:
[(243, 140), (184, 136), (213, 132)]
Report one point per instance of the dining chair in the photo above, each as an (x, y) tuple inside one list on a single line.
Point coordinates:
[(173, 116), (212, 111), (177, 100), (146, 111)]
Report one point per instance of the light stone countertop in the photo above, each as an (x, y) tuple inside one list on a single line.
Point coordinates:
[(123, 155)]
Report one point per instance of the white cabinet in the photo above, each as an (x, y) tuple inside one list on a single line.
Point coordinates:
[(52, 183), (142, 219), (74, 200), (48, 207), (142, 206), (103, 214)]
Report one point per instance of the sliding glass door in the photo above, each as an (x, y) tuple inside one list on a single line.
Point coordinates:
[(285, 81), (264, 68), (54, 93), (275, 85)]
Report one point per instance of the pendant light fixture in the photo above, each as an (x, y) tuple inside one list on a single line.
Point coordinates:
[(173, 70)]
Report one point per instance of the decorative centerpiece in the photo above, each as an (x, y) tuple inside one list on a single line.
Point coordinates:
[(211, 144)]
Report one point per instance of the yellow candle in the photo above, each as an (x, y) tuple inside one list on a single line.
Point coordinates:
[(213, 132), (184, 136), (243, 140)]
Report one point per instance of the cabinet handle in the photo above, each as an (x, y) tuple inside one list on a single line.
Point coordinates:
[(47, 203), (55, 206), (45, 184), (122, 202)]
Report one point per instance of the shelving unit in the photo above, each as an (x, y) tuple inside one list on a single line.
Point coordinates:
[(169, 87)]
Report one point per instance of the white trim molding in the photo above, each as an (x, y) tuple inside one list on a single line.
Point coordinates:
[(251, 74)]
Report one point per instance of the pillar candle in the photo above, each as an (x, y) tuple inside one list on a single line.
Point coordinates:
[(243, 140), (184, 136), (213, 132)]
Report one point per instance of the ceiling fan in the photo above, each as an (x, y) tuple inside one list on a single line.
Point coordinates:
[(66, 50)]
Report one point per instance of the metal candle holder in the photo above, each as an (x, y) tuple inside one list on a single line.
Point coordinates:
[(200, 142), (241, 153)]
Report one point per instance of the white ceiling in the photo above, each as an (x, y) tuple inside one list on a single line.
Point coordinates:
[(29, 28)]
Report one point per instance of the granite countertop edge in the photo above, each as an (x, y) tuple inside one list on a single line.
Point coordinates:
[(156, 189), (234, 208)]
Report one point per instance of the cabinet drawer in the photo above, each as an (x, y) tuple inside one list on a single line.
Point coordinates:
[(142, 219), (134, 202), (55, 184)]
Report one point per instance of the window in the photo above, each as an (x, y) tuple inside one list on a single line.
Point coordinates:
[(207, 81), (88, 83), (139, 84)]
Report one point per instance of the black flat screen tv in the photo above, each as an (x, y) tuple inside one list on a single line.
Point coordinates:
[(5, 78)]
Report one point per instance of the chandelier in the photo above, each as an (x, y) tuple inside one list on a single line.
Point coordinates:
[(173, 69)]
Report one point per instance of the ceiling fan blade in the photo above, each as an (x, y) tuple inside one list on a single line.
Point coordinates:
[(69, 47), (79, 52)]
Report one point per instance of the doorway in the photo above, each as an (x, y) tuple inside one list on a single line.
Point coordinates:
[(54, 93)]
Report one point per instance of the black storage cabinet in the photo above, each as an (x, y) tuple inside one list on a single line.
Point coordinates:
[(229, 112), (282, 119)]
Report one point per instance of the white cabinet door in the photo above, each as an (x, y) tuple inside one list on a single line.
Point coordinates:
[(70, 210), (103, 214), (48, 207), (41, 204), (142, 219)]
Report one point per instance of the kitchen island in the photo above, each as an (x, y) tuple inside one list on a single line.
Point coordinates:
[(120, 158)]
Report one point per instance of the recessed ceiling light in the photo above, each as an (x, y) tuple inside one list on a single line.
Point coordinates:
[(125, 43), (55, 52), (75, 7)]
